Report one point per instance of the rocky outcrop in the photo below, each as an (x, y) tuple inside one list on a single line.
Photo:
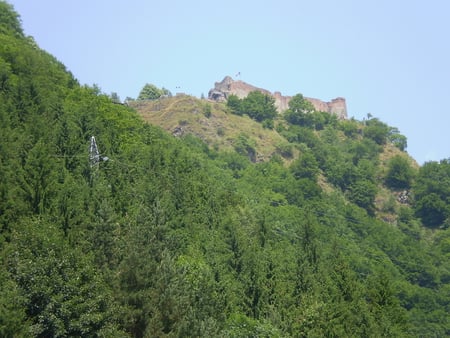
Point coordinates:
[(241, 89)]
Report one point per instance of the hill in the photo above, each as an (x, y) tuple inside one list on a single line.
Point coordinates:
[(166, 236), (211, 122), (216, 125)]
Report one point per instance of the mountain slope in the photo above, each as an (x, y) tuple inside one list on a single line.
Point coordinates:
[(169, 237), (219, 128), (211, 122)]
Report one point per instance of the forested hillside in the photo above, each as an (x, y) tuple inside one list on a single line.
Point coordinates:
[(338, 234)]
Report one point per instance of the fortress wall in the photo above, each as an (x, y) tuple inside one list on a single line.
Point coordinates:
[(241, 89)]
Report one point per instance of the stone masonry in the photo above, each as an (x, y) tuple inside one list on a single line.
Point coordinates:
[(241, 89)]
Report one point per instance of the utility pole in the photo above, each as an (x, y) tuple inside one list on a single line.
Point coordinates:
[(94, 159), (94, 155)]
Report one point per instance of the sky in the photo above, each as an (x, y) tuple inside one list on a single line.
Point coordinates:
[(390, 59)]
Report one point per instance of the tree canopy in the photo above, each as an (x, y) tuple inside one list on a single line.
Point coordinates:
[(400, 174), (432, 193), (151, 92), (256, 105)]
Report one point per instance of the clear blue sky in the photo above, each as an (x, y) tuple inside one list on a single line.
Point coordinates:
[(387, 58)]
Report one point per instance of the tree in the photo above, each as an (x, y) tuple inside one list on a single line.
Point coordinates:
[(207, 110), (259, 106), (298, 104), (244, 146), (432, 191), (174, 239), (349, 127), (150, 92), (397, 139), (362, 193), (400, 174), (9, 19), (166, 92), (385, 305), (39, 178), (298, 111), (115, 97), (234, 103), (377, 131), (64, 294), (305, 167), (12, 314), (432, 210)]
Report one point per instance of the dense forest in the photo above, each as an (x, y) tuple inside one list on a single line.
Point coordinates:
[(338, 234)]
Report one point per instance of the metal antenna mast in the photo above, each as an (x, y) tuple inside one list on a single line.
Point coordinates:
[(94, 155)]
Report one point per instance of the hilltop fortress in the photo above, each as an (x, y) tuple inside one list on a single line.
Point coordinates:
[(241, 89)]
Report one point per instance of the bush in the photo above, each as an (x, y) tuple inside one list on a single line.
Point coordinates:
[(305, 167), (234, 103), (244, 146), (349, 127), (256, 105), (400, 174), (207, 110), (267, 124), (285, 150), (432, 210), (398, 140), (377, 131), (150, 92)]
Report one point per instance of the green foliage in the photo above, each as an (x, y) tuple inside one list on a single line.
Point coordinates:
[(207, 110), (362, 193), (151, 92), (256, 105), (398, 140), (115, 98), (9, 20), (349, 127), (400, 173), (301, 112), (285, 150), (268, 124), (240, 325), (234, 103), (63, 296), (432, 191), (12, 313), (366, 149), (376, 131), (244, 146), (171, 238), (298, 104), (432, 210), (305, 167)]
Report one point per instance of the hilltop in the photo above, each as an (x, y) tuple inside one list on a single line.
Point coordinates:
[(211, 121)]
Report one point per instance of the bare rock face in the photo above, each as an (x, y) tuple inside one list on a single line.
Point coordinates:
[(222, 90)]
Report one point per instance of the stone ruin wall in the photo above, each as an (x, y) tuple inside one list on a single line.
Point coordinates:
[(228, 86)]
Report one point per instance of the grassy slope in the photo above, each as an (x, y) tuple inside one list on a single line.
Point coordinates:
[(220, 130)]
